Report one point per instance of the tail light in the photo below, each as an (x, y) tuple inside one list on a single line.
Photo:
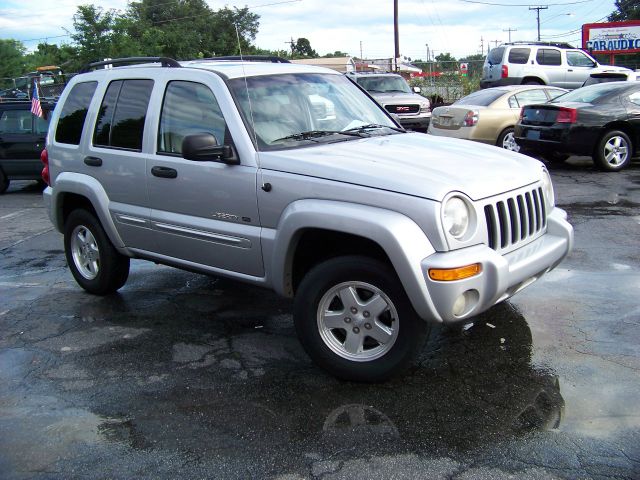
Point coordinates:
[(44, 158), (471, 118), (567, 115), (505, 71)]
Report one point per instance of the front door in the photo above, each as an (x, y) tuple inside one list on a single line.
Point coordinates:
[(205, 213)]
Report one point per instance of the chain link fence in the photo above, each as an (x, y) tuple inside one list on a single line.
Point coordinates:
[(445, 82)]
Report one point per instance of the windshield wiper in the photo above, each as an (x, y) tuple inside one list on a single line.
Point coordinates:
[(370, 126), (311, 134)]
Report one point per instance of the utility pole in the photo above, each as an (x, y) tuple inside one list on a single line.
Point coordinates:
[(538, 16), (291, 43), (481, 45), (510, 30), (495, 42), (395, 33), (361, 57)]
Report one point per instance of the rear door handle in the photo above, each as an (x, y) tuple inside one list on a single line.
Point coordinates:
[(164, 172), (93, 161)]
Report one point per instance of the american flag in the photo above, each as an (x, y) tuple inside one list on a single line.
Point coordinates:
[(36, 107)]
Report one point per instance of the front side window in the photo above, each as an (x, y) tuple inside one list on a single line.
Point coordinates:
[(579, 59), (303, 109), (188, 108), (122, 114), (548, 56), (74, 113), (519, 55)]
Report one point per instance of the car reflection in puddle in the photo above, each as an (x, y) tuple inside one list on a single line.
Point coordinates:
[(472, 388)]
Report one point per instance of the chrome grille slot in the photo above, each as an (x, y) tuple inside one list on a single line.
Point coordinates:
[(515, 219)]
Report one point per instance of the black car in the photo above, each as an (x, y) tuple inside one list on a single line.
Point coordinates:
[(601, 121), (22, 136)]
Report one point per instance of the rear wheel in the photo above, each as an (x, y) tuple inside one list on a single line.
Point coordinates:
[(354, 319), (613, 152), (93, 260), (556, 157), (507, 140)]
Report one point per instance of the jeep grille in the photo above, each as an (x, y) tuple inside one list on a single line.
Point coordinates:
[(515, 220)]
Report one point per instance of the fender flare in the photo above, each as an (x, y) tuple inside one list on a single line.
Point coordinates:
[(401, 238), (90, 188)]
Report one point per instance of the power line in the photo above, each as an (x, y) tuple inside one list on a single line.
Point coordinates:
[(523, 4)]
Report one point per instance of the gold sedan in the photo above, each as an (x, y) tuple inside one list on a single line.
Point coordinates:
[(489, 115)]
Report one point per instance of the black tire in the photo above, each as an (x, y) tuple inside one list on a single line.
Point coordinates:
[(375, 363), (507, 141), (4, 182), (613, 152), (85, 240)]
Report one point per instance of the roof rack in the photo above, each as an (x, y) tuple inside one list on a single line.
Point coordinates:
[(250, 58), (548, 44), (165, 61)]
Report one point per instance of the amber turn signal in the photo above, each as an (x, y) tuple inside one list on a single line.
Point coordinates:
[(450, 274)]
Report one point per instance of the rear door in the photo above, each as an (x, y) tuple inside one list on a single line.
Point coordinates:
[(550, 62)]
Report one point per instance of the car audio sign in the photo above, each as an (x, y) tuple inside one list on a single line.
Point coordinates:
[(612, 38)]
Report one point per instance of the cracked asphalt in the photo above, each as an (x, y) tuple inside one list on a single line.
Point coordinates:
[(185, 376)]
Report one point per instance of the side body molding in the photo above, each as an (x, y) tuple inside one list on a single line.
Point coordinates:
[(400, 237), (90, 188)]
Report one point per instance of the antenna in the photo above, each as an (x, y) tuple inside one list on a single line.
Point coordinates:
[(246, 87)]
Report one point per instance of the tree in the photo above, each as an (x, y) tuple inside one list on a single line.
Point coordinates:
[(11, 58), (337, 53), (50, 54), (446, 62), (302, 48), (625, 10)]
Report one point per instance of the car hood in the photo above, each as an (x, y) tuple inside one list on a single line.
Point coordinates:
[(412, 163), (398, 97)]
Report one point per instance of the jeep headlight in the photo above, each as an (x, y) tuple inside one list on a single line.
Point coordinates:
[(456, 217), (547, 189)]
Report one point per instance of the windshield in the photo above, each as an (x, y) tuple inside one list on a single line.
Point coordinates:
[(590, 94), (482, 98), (388, 83), (300, 109)]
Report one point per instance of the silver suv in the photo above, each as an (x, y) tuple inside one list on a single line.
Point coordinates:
[(241, 170), (540, 63), (393, 92)]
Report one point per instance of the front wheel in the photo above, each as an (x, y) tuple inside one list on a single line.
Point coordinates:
[(93, 260), (354, 319), (613, 152), (507, 140)]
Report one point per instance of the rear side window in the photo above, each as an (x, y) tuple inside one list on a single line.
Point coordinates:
[(548, 56), (519, 55), (495, 56), (120, 122), (15, 121), (74, 113)]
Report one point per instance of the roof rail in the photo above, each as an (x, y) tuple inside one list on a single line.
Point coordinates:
[(165, 61), (548, 44), (250, 58)]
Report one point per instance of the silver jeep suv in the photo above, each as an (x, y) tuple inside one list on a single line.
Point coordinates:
[(540, 63), (231, 168)]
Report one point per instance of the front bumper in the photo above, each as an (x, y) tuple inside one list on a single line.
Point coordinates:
[(415, 123), (501, 277)]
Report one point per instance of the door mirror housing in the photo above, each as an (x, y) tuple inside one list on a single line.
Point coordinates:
[(204, 147), (417, 89)]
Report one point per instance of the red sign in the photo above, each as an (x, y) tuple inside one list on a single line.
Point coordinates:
[(612, 38)]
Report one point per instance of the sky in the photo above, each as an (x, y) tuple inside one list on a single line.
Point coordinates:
[(459, 27)]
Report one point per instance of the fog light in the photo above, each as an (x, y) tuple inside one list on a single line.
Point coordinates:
[(459, 273), (465, 303)]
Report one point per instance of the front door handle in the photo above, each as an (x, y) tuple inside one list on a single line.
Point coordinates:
[(93, 161), (164, 172)]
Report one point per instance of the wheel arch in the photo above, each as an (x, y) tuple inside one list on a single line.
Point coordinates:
[(386, 235), (532, 78)]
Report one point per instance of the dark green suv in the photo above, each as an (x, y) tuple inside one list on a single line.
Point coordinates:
[(22, 138)]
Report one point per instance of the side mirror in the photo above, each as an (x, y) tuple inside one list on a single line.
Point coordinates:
[(417, 89), (203, 147)]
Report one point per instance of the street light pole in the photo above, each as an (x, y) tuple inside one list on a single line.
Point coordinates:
[(538, 16), (395, 33)]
